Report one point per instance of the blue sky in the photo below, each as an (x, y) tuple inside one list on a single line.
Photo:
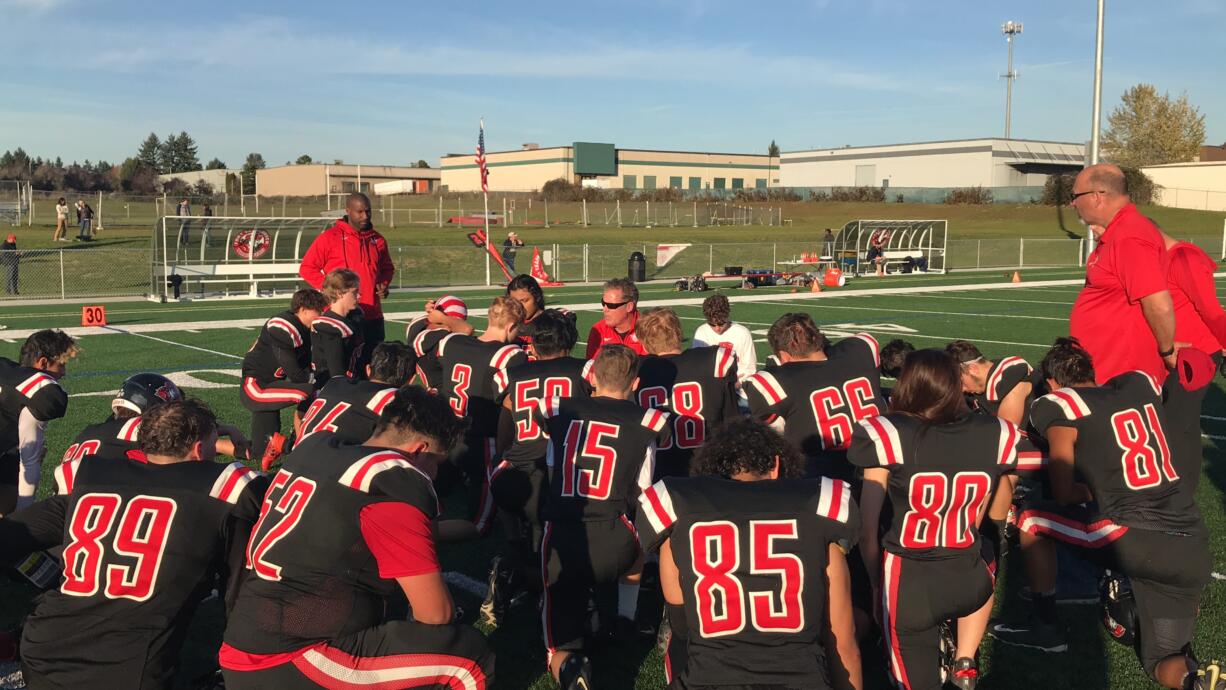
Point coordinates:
[(392, 82)]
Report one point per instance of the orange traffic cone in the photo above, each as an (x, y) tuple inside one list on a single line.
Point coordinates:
[(816, 285), (1017, 277)]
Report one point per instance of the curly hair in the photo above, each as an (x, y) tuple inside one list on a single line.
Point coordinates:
[(716, 310), (54, 344), (392, 363), (797, 335), (893, 354), (746, 445), (1067, 363), (309, 298)]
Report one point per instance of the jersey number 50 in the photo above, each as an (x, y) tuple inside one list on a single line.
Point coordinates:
[(721, 598)]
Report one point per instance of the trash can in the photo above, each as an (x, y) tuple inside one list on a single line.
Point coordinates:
[(636, 267)]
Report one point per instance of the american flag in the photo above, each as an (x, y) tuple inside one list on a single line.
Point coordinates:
[(485, 173)]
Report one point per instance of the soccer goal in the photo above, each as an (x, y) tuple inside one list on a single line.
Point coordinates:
[(16, 201), (197, 257), (905, 245)]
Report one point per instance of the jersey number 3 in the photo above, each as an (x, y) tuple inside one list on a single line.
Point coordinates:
[(140, 534)]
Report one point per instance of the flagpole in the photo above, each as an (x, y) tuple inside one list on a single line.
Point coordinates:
[(485, 196)]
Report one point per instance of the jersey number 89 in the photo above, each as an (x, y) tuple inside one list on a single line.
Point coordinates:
[(140, 534)]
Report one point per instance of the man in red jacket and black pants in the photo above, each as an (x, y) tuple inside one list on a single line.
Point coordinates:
[(353, 243)]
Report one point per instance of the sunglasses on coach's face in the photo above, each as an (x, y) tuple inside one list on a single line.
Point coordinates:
[(1078, 195), (613, 305)]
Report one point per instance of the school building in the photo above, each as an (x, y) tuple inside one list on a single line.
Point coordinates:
[(607, 167)]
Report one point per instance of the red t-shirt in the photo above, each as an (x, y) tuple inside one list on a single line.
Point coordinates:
[(1129, 262), (603, 334), (1199, 318)]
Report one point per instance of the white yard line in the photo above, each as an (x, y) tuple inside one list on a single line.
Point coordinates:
[(898, 310), (171, 342), (988, 299)]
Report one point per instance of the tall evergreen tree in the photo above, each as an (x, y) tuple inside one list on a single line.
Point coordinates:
[(150, 153), (254, 162)]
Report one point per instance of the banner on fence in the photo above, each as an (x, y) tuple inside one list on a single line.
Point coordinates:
[(667, 252)]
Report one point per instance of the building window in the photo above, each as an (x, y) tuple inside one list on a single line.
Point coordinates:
[(649, 181), (760, 183), (674, 182), (738, 183), (630, 182), (349, 187), (720, 183), (365, 188), (695, 183)]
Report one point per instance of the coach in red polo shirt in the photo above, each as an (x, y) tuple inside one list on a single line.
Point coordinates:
[(1123, 316), (620, 303)]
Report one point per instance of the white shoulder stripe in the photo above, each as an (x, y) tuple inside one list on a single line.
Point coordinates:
[(281, 324), (835, 500), (658, 506), (231, 482), (873, 346)]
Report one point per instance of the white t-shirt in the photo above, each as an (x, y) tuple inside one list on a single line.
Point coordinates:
[(742, 344), (61, 210)]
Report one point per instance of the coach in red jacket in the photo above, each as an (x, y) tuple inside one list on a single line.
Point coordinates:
[(354, 244)]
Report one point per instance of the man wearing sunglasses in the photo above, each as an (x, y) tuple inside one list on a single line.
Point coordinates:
[(620, 305), (1123, 316)]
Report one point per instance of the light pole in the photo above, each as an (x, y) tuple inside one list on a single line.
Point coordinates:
[(1009, 29), (1097, 115)]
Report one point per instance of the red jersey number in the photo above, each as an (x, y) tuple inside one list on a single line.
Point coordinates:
[(721, 600), (835, 410), (1146, 457), (526, 402), (944, 510), (325, 422), (685, 401), (79, 450), (461, 379), (279, 515), (587, 462), (138, 544)]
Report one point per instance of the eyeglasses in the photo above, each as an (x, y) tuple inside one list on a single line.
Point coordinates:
[(614, 305), (1074, 197)]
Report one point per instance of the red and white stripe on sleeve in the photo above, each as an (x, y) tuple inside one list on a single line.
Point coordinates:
[(282, 325), (1070, 403), (379, 400), (65, 475), (873, 346), (998, 374), (768, 387), (1006, 451), (231, 482), (658, 506), (884, 436), (834, 501), (725, 360), (35, 383)]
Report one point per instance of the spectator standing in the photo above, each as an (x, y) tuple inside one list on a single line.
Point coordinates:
[(1124, 316), (184, 209), (510, 247), (720, 329), (86, 216), (353, 243), (828, 244), (620, 303), (10, 257), (208, 223), (61, 221)]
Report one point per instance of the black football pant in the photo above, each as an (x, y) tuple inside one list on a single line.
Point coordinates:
[(266, 403), (579, 561), (517, 490), (916, 597), (1168, 570), (399, 654), (475, 460)]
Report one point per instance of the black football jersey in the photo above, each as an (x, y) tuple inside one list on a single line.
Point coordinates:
[(941, 478), (282, 351), (26, 388), (526, 385), (113, 439), (601, 454), (1003, 377), (820, 402), (469, 366), (336, 344), (348, 408), (141, 545), (1122, 451), (423, 341), (698, 386), (313, 576), (752, 560)]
